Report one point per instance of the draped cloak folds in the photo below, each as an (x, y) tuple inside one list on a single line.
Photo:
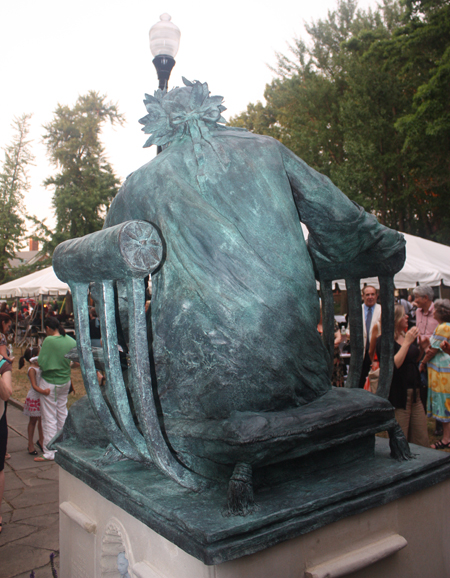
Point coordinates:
[(234, 307)]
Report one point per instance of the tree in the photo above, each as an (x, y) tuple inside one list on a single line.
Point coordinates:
[(375, 170), (13, 184), (85, 184), (425, 127), (304, 101), (365, 102)]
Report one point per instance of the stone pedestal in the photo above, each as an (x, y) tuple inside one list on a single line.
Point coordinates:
[(407, 537)]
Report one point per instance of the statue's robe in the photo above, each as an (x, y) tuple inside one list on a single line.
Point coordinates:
[(235, 308)]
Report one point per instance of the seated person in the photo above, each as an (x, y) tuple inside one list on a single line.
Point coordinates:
[(234, 306)]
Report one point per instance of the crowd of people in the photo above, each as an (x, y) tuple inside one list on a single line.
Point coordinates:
[(46, 402), (28, 312), (420, 386)]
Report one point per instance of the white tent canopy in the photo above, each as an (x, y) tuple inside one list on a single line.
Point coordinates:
[(43, 282), (427, 263)]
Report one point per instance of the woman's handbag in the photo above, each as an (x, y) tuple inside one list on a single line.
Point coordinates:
[(373, 377)]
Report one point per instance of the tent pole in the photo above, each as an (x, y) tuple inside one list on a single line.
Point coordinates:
[(17, 322), (42, 313)]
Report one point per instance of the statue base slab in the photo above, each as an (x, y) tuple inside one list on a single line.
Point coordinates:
[(405, 537), (321, 515)]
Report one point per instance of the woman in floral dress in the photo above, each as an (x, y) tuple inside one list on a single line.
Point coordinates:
[(438, 361)]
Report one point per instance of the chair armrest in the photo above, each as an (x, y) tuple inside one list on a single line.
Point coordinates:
[(367, 264), (131, 248)]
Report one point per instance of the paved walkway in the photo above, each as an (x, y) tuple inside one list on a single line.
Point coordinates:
[(30, 508)]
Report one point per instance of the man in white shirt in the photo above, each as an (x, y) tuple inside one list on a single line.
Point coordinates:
[(426, 324), (425, 321), (371, 312)]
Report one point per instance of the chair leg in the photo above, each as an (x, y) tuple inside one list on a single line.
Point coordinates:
[(240, 500), (399, 446)]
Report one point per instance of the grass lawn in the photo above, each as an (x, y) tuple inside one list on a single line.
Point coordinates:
[(21, 383)]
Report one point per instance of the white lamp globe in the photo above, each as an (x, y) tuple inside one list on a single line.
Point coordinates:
[(164, 37)]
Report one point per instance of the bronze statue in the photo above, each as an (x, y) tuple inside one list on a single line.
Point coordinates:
[(227, 371)]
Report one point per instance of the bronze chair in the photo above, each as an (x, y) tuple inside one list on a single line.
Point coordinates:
[(194, 452)]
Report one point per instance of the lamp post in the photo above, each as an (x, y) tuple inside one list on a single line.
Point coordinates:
[(164, 43)]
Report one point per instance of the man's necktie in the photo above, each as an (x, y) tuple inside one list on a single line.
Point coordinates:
[(368, 323)]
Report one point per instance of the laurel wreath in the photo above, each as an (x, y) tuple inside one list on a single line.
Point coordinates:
[(179, 112)]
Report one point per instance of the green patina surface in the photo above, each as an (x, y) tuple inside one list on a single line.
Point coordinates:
[(292, 499), (227, 366), (235, 307)]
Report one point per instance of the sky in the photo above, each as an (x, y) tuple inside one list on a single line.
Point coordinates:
[(55, 50)]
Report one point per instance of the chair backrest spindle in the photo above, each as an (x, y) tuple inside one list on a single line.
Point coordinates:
[(326, 292), (356, 332), (89, 373), (387, 335), (128, 252)]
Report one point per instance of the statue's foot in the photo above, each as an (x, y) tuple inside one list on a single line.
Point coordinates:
[(240, 499), (399, 446)]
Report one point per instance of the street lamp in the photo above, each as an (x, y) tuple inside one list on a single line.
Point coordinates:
[(164, 43)]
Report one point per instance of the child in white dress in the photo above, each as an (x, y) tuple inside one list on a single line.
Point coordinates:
[(32, 407)]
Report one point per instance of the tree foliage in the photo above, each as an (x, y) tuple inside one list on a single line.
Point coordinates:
[(13, 184), (85, 182), (365, 101)]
